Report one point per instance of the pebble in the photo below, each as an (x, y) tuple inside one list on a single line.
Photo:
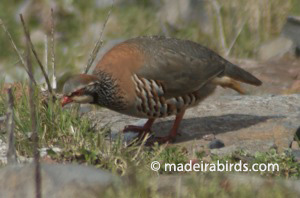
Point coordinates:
[(209, 137), (2, 118), (295, 145), (215, 144), (296, 154)]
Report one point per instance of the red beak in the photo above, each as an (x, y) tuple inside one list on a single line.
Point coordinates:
[(66, 100)]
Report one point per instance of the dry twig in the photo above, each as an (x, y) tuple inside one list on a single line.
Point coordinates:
[(16, 50), (235, 38), (36, 56), (34, 126), (54, 81), (99, 42), (217, 8), (11, 152), (44, 86)]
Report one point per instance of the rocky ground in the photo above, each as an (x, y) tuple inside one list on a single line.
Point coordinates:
[(268, 117), (264, 118), (251, 123)]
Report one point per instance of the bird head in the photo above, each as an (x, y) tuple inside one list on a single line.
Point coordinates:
[(79, 89)]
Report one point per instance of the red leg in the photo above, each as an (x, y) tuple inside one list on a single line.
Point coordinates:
[(140, 129), (173, 132)]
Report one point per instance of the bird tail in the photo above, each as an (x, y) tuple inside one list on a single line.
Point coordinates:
[(241, 75)]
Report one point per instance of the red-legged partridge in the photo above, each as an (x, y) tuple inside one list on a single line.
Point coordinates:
[(154, 77)]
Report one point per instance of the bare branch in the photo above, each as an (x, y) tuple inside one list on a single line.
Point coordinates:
[(16, 50), (36, 56), (11, 152), (44, 86), (34, 126), (99, 42), (54, 81), (46, 53)]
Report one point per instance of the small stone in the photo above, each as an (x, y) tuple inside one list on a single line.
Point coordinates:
[(296, 154), (29, 135), (207, 159), (295, 145), (209, 137), (298, 133), (2, 118), (215, 144)]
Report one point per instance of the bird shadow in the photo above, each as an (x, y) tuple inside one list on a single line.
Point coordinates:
[(196, 128)]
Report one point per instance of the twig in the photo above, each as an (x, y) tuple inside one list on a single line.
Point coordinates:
[(11, 152), (44, 87), (46, 53), (36, 56), (217, 8), (54, 81), (235, 38), (16, 50), (34, 126), (99, 42)]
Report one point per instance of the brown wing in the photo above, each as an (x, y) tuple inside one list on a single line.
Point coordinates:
[(182, 66)]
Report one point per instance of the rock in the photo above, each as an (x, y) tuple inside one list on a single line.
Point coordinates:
[(3, 151), (298, 134), (2, 119), (209, 137), (104, 3), (289, 41), (44, 151), (57, 181), (275, 48), (295, 88), (179, 12), (285, 69), (295, 145), (216, 144), (296, 154), (291, 29), (252, 123), (2, 124)]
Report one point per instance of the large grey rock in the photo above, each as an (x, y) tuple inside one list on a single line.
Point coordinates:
[(58, 181), (104, 3), (289, 41), (179, 12), (275, 48), (252, 123), (291, 29)]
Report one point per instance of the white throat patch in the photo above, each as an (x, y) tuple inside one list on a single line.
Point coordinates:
[(83, 99)]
